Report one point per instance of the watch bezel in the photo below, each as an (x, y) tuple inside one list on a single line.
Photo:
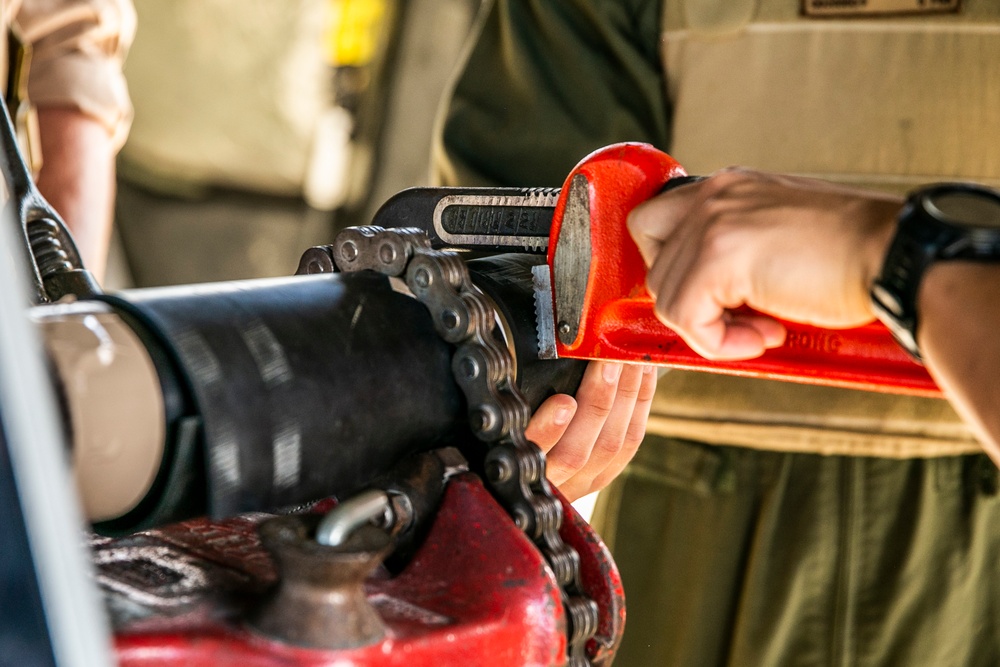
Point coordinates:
[(924, 235), (927, 201)]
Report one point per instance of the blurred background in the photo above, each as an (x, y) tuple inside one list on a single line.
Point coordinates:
[(263, 126)]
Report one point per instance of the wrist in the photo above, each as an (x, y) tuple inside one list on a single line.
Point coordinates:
[(883, 218), (944, 222)]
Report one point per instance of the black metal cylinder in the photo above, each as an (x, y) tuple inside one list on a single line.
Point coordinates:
[(305, 386), (282, 391)]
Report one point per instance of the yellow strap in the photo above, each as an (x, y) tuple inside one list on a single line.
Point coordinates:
[(353, 31), (21, 111)]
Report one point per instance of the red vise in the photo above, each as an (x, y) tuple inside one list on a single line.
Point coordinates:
[(477, 592)]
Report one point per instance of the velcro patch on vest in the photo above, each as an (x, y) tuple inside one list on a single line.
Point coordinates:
[(846, 8)]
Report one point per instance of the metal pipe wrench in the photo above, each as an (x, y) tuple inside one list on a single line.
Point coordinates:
[(591, 299)]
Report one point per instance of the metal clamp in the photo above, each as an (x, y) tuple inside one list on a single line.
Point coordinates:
[(364, 508)]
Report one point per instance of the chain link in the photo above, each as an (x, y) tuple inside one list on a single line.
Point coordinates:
[(498, 413)]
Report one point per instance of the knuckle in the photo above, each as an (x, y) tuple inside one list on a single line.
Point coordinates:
[(634, 436), (648, 389), (569, 460), (610, 446), (673, 315), (680, 316), (635, 221), (724, 179), (542, 440), (629, 393), (597, 485), (734, 173), (734, 183), (598, 410), (717, 239), (575, 488)]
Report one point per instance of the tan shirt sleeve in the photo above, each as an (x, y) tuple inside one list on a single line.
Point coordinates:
[(78, 48)]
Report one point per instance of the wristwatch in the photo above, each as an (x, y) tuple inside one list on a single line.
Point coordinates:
[(938, 223)]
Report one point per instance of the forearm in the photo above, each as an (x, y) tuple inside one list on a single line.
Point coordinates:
[(78, 179), (959, 310)]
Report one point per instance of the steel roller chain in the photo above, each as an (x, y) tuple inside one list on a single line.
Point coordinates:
[(498, 413)]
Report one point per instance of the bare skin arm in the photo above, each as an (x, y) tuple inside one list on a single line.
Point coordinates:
[(959, 306), (808, 251), (78, 179)]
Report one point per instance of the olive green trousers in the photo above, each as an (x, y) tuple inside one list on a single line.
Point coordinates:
[(734, 556)]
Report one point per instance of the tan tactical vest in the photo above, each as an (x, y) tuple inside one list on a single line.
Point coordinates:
[(886, 100)]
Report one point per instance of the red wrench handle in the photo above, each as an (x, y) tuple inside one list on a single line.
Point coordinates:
[(603, 310)]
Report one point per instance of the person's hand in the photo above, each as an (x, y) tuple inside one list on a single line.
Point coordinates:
[(590, 439), (798, 249)]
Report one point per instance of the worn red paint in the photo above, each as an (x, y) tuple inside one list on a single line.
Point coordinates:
[(477, 592), (599, 577), (617, 321)]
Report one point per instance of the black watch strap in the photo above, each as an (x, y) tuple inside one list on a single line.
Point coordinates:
[(894, 292), (940, 222)]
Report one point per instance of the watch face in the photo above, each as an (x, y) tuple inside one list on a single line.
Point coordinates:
[(969, 207)]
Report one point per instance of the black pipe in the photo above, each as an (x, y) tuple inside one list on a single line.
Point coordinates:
[(282, 391)]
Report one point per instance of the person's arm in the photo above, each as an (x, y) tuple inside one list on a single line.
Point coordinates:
[(76, 83), (78, 179), (546, 83), (808, 251), (959, 306)]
